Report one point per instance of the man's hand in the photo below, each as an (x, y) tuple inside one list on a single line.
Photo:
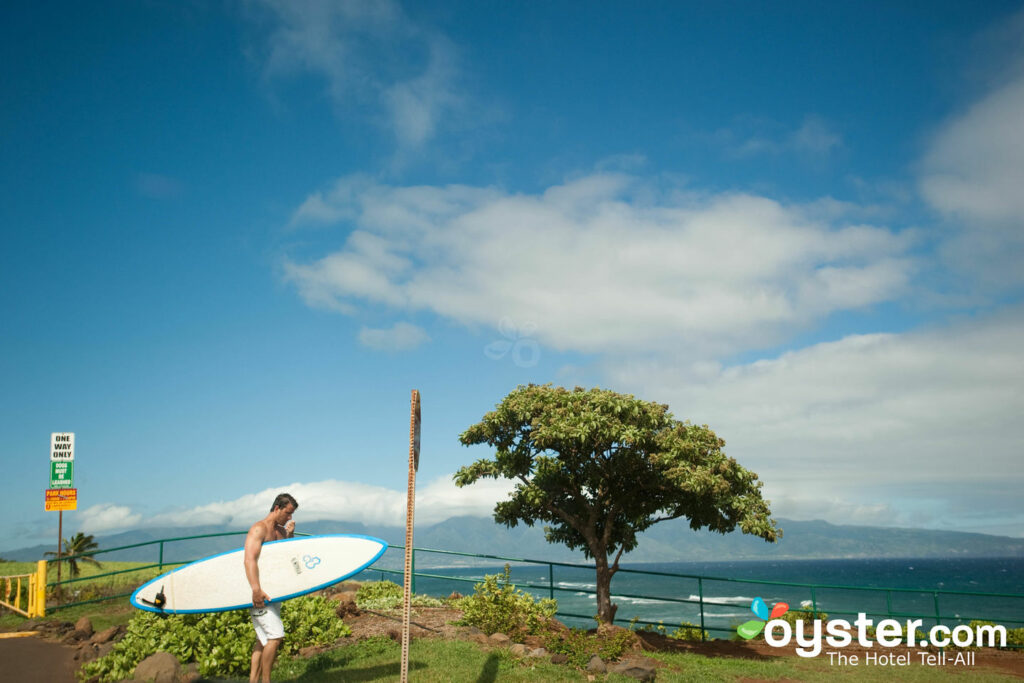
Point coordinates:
[(289, 527), (259, 597)]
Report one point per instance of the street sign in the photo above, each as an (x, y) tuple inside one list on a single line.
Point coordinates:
[(61, 499), (62, 475), (62, 446)]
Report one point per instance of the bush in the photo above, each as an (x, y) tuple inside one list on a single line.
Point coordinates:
[(579, 646), (497, 606), (793, 616), (385, 595), (686, 630), (220, 643)]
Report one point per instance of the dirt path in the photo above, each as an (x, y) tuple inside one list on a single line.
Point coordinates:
[(34, 659)]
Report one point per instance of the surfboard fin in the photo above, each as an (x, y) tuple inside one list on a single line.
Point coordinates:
[(159, 601)]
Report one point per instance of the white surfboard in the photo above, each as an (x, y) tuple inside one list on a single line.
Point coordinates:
[(288, 568)]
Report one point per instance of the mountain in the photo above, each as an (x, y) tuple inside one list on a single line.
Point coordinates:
[(664, 542)]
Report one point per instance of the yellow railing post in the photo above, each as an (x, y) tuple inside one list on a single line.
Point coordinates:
[(37, 593)]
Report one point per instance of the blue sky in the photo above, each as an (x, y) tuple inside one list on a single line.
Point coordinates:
[(236, 235)]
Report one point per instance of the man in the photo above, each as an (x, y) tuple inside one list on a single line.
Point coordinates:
[(266, 616)]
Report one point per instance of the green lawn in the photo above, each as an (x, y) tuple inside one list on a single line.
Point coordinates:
[(379, 659)]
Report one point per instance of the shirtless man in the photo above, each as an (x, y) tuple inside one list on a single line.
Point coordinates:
[(266, 616)]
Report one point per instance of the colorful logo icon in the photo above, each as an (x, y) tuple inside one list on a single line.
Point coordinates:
[(751, 628), (311, 561)]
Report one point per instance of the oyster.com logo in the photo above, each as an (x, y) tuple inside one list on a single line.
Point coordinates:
[(751, 628)]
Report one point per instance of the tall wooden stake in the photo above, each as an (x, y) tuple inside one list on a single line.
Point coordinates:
[(414, 464), (60, 538)]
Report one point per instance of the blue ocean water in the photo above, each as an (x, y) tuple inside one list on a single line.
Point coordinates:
[(932, 589)]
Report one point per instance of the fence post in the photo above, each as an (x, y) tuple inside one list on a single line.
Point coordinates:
[(700, 596), (888, 604), (814, 604), (412, 572), (40, 589), (161, 557), (551, 581)]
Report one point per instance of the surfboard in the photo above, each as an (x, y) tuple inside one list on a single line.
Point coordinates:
[(288, 568)]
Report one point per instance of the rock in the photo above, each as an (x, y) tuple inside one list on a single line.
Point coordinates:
[(456, 595), (533, 642), (345, 596), (107, 635), (537, 652), (162, 667), (519, 650), (596, 665), (640, 669), (84, 626), (499, 640), (191, 673), (470, 630), (29, 625), (104, 649), (559, 658)]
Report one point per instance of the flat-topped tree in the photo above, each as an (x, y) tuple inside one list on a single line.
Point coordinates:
[(597, 468)]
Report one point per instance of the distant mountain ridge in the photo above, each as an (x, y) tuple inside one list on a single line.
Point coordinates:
[(670, 541)]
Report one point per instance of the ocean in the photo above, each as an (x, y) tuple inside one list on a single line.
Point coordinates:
[(928, 586)]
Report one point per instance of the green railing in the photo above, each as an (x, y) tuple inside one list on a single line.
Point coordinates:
[(705, 607)]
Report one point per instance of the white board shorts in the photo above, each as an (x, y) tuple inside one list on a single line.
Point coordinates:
[(267, 621)]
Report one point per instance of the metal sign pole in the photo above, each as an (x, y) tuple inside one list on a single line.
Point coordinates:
[(414, 464)]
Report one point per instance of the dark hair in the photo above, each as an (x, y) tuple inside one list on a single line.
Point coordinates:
[(282, 501)]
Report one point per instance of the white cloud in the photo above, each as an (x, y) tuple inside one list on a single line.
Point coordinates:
[(973, 173), (975, 167), (436, 501), (108, 517), (926, 424), (400, 337), (352, 45), (603, 263)]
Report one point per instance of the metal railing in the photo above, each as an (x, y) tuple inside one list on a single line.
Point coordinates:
[(704, 608)]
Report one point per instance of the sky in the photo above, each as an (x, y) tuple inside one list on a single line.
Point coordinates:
[(237, 235)]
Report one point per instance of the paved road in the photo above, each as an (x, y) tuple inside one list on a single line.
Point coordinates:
[(32, 659)]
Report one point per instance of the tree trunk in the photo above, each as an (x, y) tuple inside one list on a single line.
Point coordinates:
[(605, 609)]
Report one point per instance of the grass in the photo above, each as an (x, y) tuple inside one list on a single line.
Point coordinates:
[(379, 659), (104, 614)]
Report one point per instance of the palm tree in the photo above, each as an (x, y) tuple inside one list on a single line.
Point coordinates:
[(75, 546)]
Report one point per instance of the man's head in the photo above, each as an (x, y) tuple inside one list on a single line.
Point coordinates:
[(282, 501)]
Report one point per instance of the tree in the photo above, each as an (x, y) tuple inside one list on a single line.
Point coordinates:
[(75, 549), (597, 468)]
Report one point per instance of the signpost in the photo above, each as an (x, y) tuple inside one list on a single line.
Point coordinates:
[(61, 495), (414, 464)]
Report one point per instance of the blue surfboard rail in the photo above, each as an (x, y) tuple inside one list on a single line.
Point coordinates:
[(138, 604)]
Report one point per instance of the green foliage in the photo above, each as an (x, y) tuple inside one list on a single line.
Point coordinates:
[(497, 606), (385, 595), (598, 468), (220, 643), (579, 646), (686, 631), (795, 615)]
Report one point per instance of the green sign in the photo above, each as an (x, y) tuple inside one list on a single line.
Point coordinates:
[(62, 475)]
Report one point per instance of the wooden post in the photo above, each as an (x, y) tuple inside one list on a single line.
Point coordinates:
[(60, 536), (414, 464)]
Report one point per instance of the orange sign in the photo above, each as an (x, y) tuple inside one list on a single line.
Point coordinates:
[(61, 499)]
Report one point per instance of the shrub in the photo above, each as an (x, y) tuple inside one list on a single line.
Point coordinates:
[(497, 606), (385, 595), (220, 643), (579, 646), (686, 630), (793, 616)]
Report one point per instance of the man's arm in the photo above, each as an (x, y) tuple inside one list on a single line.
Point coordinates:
[(253, 544)]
